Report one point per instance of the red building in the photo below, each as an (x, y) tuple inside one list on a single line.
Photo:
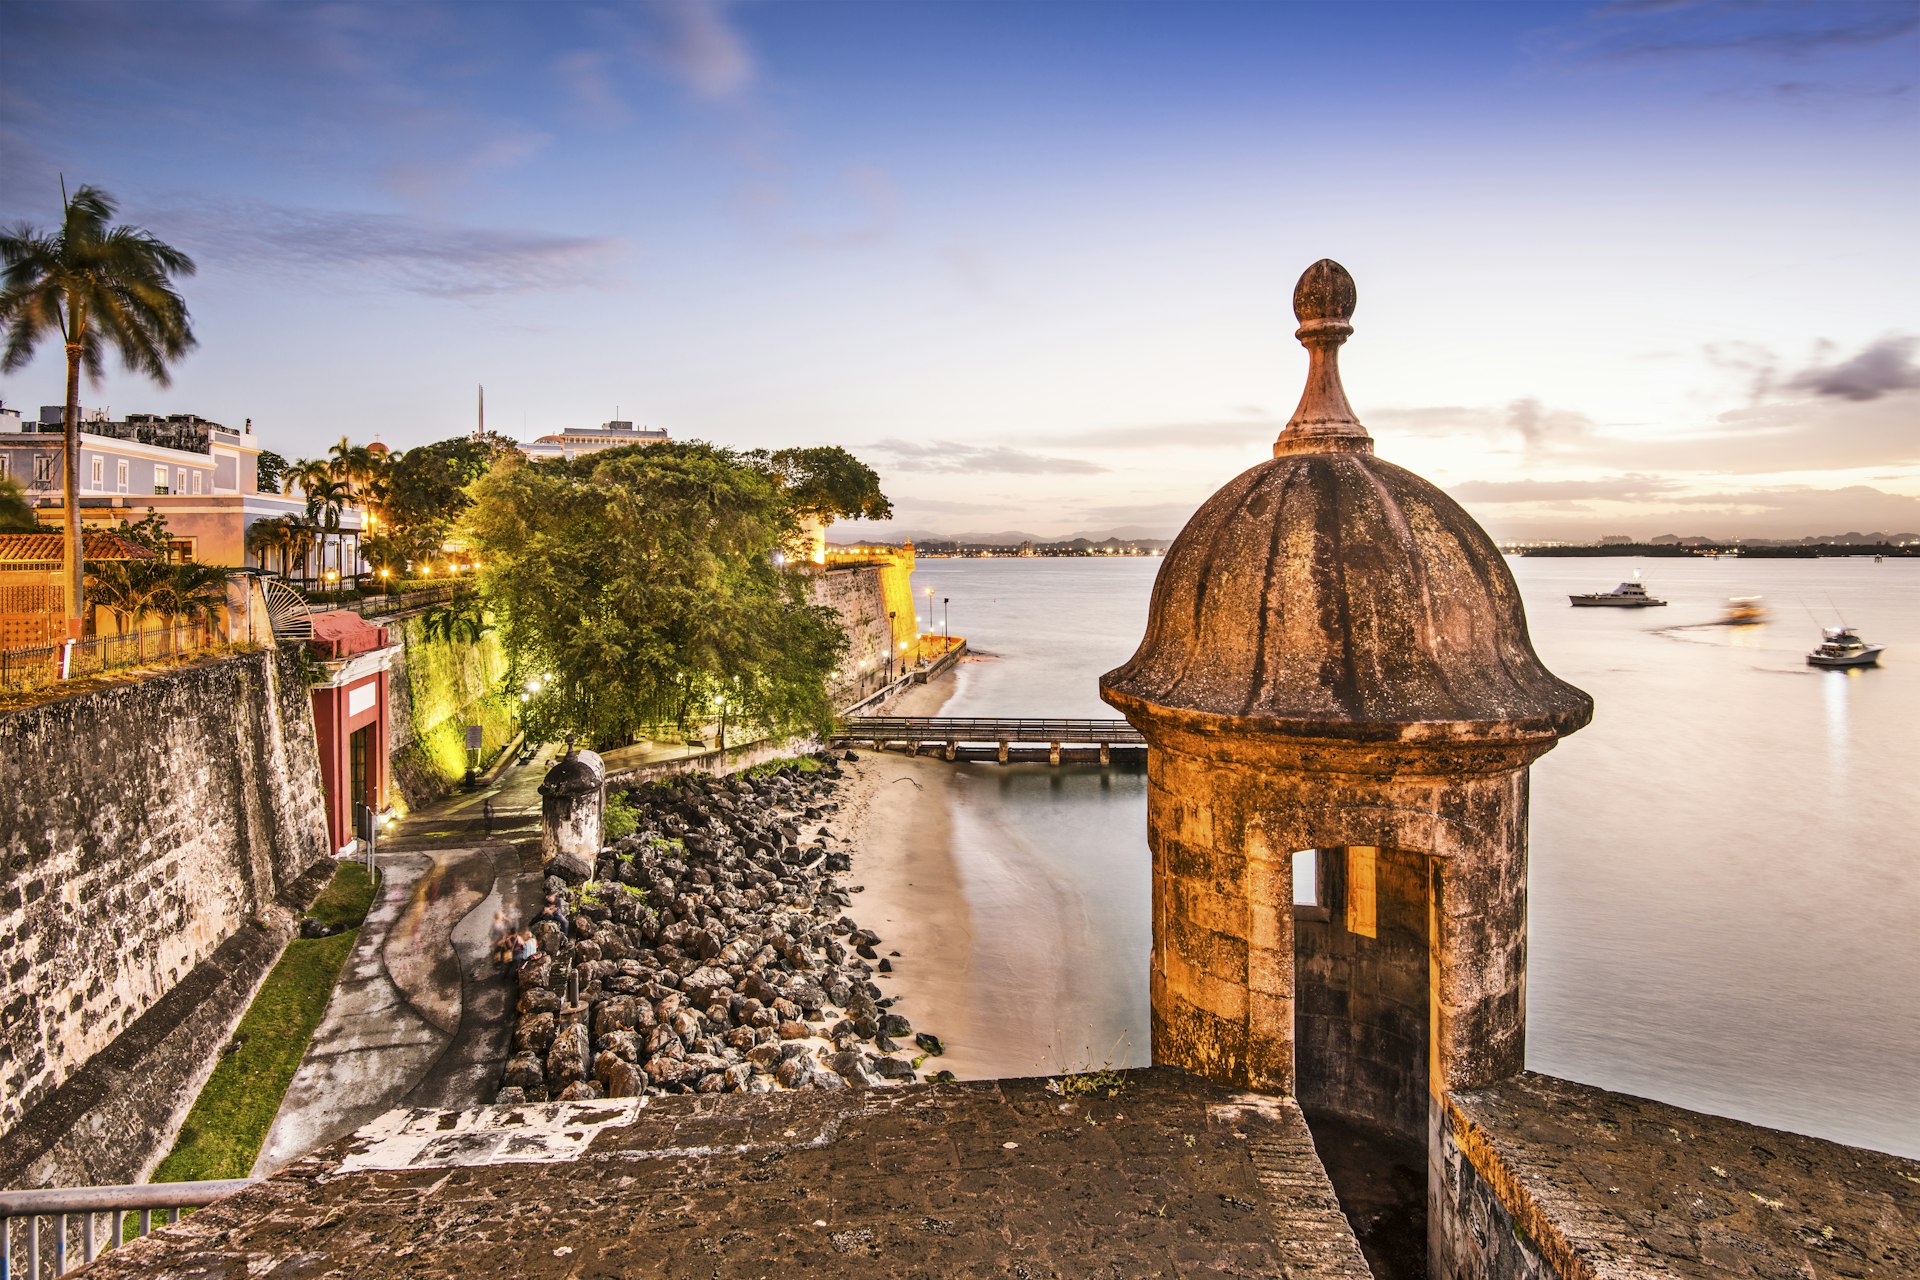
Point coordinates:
[(350, 718)]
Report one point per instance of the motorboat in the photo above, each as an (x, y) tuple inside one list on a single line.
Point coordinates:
[(1744, 611), (1628, 595), (1840, 647)]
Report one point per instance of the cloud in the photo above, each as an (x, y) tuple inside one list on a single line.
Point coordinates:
[(700, 47), (951, 457), (1670, 28), (1243, 434), (1611, 489), (1538, 426), (1883, 366), (401, 252), (1788, 511)]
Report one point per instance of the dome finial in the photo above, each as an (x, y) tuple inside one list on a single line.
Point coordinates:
[(1323, 302)]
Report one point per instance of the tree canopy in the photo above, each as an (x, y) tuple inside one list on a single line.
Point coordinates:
[(826, 482), (639, 585)]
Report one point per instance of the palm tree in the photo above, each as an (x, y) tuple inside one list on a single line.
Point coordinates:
[(134, 589), (92, 283), (195, 593), (313, 476), (264, 537)]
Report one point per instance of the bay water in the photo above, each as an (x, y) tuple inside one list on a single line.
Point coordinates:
[(1725, 872)]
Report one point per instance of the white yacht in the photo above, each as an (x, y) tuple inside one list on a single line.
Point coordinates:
[(1840, 647), (1628, 595)]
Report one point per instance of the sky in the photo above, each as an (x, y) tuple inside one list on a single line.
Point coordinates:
[(1640, 267)]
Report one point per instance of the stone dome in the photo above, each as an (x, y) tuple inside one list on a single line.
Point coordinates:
[(575, 774), (1329, 594)]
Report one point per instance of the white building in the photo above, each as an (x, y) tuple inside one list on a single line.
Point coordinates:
[(577, 441)]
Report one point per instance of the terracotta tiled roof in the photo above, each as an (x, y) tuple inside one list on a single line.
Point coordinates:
[(44, 548)]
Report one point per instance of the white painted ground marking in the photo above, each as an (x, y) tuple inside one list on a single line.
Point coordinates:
[(531, 1133)]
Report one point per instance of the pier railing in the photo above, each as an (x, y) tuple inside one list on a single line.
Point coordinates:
[(956, 733), (48, 1233)]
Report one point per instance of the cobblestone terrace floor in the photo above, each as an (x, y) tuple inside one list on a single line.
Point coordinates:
[(1172, 1177), (1625, 1187)]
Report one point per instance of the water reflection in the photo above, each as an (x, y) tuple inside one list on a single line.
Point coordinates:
[(1839, 688)]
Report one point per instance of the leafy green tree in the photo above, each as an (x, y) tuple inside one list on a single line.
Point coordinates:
[(827, 482), (270, 465), (426, 491), (639, 585), (91, 283), (16, 513)]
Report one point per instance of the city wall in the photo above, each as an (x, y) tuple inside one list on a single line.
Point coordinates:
[(147, 825), (1545, 1179), (864, 588)]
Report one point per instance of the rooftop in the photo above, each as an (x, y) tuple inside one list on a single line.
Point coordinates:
[(17, 549)]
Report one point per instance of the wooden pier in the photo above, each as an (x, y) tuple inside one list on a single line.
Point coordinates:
[(972, 738)]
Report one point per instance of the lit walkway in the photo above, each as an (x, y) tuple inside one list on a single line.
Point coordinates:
[(419, 1016)]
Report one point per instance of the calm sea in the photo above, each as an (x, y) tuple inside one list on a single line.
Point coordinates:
[(1725, 908)]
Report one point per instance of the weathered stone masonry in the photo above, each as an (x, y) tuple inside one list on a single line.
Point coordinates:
[(144, 825)]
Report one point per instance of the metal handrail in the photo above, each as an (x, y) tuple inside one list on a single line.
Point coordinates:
[(985, 729), (53, 1257)]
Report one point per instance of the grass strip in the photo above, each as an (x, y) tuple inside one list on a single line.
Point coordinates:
[(222, 1134)]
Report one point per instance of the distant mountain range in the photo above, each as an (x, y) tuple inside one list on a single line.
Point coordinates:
[(1131, 535), (1853, 538), (1143, 536)]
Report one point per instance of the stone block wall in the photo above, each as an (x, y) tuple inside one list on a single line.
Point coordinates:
[(863, 595), (144, 825), (1545, 1179)]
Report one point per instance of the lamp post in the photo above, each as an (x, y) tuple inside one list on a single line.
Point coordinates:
[(890, 646), (945, 627)]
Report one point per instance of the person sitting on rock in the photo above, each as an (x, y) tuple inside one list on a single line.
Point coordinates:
[(525, 947), (555, 911)]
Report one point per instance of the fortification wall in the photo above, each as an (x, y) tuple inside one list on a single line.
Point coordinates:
[(864, 594), (437, 686), (1544, 1179), (145, 824)]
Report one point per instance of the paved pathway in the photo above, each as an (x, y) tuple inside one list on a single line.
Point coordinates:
[(420, 1016)]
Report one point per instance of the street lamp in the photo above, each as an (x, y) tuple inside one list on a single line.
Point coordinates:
[(890, 646), (944, 625)]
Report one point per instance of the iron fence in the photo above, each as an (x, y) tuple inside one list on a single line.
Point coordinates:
[(67, 660)]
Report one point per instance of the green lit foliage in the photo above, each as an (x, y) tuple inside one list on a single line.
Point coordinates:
[(827, 482), (621, 818), (452, 681), (639, 585)]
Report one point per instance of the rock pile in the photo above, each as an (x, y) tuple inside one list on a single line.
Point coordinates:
[(709, 952)]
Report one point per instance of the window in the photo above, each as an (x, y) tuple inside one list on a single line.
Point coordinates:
[(43, 468), (160, 480), (180, 480), (120, 474), (97, 474), (3, 466), (196, 482)]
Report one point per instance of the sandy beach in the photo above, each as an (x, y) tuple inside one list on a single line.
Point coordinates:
[(994, 943)]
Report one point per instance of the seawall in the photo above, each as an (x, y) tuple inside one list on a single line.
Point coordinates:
[(146, 825), (874, 598)]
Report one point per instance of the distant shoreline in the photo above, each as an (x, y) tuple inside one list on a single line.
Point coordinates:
[(1745, 551)]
